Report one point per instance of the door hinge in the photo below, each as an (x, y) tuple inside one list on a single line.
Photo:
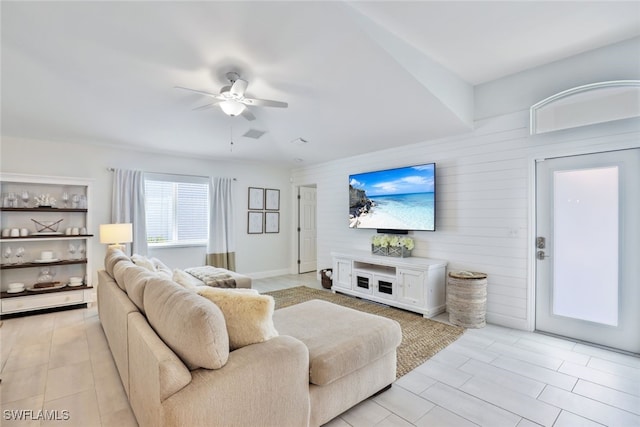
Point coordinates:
[(541, 255)]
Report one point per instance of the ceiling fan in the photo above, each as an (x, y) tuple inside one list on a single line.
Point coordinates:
[(232, 99)]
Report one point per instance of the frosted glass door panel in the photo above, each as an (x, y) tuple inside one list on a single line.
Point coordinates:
[(585, 273), (587, 245)]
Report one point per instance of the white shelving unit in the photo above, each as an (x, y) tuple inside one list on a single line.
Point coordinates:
[(63, 264), (414, 284)]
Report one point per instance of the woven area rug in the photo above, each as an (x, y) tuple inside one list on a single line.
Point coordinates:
[(421, 338)]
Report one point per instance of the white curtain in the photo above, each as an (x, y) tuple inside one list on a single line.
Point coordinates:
[(127, 205), (221, 247)]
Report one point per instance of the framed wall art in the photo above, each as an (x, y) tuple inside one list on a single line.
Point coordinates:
[(255, 223), (272, 222), (256, 198), (272, 199)]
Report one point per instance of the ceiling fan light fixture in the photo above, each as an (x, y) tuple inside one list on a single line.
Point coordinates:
[(232, 107), (232, 99)]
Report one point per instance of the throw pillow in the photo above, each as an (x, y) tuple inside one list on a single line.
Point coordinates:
[(161, 267), (185, 279), (248, 315), (143, 261)]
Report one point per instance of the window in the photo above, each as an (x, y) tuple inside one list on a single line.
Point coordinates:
[(177, 210)]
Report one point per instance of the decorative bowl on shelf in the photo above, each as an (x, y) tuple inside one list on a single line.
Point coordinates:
[(75, 281), (16, 287)]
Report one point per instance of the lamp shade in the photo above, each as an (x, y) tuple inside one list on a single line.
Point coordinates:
[(232, 107), (116, 233)]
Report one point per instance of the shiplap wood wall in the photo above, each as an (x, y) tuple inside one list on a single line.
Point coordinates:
[(484, 201)]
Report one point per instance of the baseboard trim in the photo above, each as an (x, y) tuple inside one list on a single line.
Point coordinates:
[(267, 274)]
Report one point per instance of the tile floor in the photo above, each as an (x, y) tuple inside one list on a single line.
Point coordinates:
[(493, 376)]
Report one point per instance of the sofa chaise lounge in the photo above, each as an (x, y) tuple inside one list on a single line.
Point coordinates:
[(171, 348)]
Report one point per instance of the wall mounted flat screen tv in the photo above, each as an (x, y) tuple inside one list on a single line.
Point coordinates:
[(394, 199)]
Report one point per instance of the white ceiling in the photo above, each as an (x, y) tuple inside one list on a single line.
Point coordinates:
[(358, 77)]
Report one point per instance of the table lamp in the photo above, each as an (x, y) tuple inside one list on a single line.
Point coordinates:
[(116, 235)]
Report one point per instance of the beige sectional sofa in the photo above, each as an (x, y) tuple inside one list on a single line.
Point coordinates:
[(171, 348)]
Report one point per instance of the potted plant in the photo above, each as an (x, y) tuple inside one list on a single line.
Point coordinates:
[(382, 244)]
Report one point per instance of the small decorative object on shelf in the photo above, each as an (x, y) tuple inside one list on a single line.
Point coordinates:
[(20, 255), (7, 255), (25, 199), (46, 275), (47, 226), (10, 200), (45, 201), (395, 246)]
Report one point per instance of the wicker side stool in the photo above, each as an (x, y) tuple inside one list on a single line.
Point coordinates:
[(467, 299)]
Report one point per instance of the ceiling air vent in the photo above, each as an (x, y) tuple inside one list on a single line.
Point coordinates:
[(254, 133)]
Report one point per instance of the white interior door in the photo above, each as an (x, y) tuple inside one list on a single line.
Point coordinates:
[(588, 248), (307, 234)]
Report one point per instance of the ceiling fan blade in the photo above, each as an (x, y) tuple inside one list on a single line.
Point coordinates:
[(206, 106), (239, 87), (248, 115), (264, 103), (201, 92)]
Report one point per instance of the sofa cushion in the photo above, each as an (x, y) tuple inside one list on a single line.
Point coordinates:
[(161, 267), (119, 272), (152, 264), (113, 257), (155, 369), (185, 279), (143, 261), (135, 282), (248, 315), (193, 327), (340, 340)]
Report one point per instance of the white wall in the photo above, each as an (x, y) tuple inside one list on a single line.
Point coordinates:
[(484, 197), (520, 91), (256, 255), (485, 191)]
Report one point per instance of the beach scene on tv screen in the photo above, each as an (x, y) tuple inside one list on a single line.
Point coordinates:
[(400, 199)]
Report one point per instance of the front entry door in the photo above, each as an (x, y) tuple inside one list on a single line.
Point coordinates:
[(588, 248)]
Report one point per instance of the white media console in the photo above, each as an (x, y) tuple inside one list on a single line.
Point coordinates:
[(414, 284)]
